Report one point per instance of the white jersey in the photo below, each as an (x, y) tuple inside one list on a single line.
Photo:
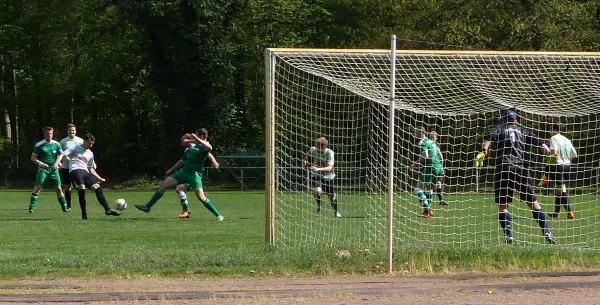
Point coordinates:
[(563, 147), (322, 159), (80, 158), (68, 143)]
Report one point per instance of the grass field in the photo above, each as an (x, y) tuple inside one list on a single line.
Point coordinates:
[(52, 243)]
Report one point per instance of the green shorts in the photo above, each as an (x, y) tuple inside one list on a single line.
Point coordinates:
[(191, 181), (430, 175), (47, 176)]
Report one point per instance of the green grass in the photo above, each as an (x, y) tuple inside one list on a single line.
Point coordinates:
[(52, 243)]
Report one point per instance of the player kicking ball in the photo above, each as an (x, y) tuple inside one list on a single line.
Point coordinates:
[(322, 174)]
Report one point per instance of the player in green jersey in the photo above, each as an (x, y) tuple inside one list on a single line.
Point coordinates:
[(440, 179), (431, 169), (44, 156), (191, 173)]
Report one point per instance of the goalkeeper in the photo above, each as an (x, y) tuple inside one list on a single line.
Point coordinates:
[(512, 174), (431, 170), (562, 153), (322, 175)]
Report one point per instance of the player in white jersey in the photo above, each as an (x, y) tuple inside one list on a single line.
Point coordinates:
[(81, 162), (68, 143), (322, 175), (562, 153)]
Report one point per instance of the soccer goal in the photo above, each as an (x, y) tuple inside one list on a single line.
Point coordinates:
[(344, 96)]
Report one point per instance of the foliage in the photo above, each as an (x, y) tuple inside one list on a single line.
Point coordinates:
[(138, 73)]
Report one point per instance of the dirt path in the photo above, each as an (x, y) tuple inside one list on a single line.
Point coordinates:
[(542, 288)]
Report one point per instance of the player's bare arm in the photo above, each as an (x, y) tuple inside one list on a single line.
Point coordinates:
[(305, 162), (41, 164), (93, 172), (213, 161), (202, 142)]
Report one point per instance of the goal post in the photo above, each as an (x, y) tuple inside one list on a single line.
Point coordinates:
[(345, 96)]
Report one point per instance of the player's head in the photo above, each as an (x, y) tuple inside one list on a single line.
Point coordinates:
[(511, 115), (558, 128), (433, 135), (88, 141), (202, 133), (321, 143), (420, 132), (187, 137), (71, 130), (48, 133)]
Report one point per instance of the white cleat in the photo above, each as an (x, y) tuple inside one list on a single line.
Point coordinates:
[(338, 215), (220, 218)]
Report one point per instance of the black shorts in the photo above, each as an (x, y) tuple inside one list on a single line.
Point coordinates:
[(325, 184), (511, 178), (82, 177), (557, 174), (64, 176)]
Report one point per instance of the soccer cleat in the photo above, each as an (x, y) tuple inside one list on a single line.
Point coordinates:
[(570, 215), (220, 218), (112, 212), (509, 240), (30, 212), (443, 202), (425, 214), (549, 238), (338, 215), (142, 207), (431, 213), (554, 215), (185, 214), (317, 210), (84, 216)]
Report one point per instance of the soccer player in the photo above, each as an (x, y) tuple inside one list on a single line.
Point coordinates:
[(191, 173), (322, 174), (440, 179), (431, 170), (511, 173), (187, 141), (82, 172), (45, 156), (69, 142), (562, 153)]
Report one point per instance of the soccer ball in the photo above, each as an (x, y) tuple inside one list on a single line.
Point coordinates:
[(120, 204)]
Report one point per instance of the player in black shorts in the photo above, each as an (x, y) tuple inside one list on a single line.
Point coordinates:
[(558, 169), (511, 172)]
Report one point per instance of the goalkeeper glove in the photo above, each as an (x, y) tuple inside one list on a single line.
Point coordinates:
[(543, 181), (551, 159), (479, 159)]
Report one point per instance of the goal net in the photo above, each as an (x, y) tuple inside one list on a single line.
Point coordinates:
[(343, 95)]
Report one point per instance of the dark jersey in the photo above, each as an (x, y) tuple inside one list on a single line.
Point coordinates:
[(512, 140)]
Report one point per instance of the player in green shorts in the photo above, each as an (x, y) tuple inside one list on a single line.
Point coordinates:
[(44, 156), (187, 141), (191, 174), (431, 170)]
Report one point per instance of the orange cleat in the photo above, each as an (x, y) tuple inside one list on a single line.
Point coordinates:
[(184, 214), (425, 214), (570, 215), (431, 213)]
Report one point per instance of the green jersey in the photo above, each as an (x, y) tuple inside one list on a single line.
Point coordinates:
[(431, 147), (194, 158), (47, 152)]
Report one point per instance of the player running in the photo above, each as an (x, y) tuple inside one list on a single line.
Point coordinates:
[(512, 174)]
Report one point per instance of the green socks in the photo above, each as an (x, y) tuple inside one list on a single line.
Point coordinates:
[(157, 195), (63, 203), (33, 201), (211, 207)]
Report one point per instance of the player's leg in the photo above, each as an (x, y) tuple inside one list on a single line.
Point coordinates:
[(180, 190), (421, 191), (54, 180), (552, 179), (208, 204), (40, 178), (93, 184), (66, 185), (77, 182), (316, 183), (329, 189), (564, 175), (503, 197), (439, 183), (169, 183), (527, 194)]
